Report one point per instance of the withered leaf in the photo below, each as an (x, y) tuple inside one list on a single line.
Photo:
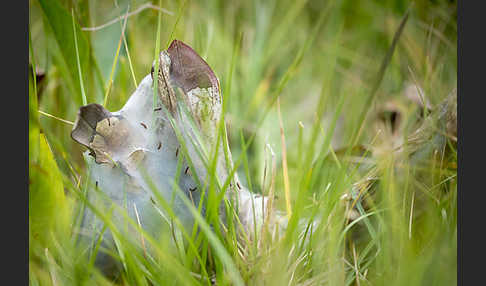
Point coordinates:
[(188, 70), (86, 121)]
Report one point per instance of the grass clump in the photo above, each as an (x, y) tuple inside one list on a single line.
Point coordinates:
[(370, 166)]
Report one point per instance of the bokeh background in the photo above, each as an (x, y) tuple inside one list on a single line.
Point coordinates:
[(321, 60)]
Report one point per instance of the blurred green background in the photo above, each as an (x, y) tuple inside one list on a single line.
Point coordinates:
[(320, 58)]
